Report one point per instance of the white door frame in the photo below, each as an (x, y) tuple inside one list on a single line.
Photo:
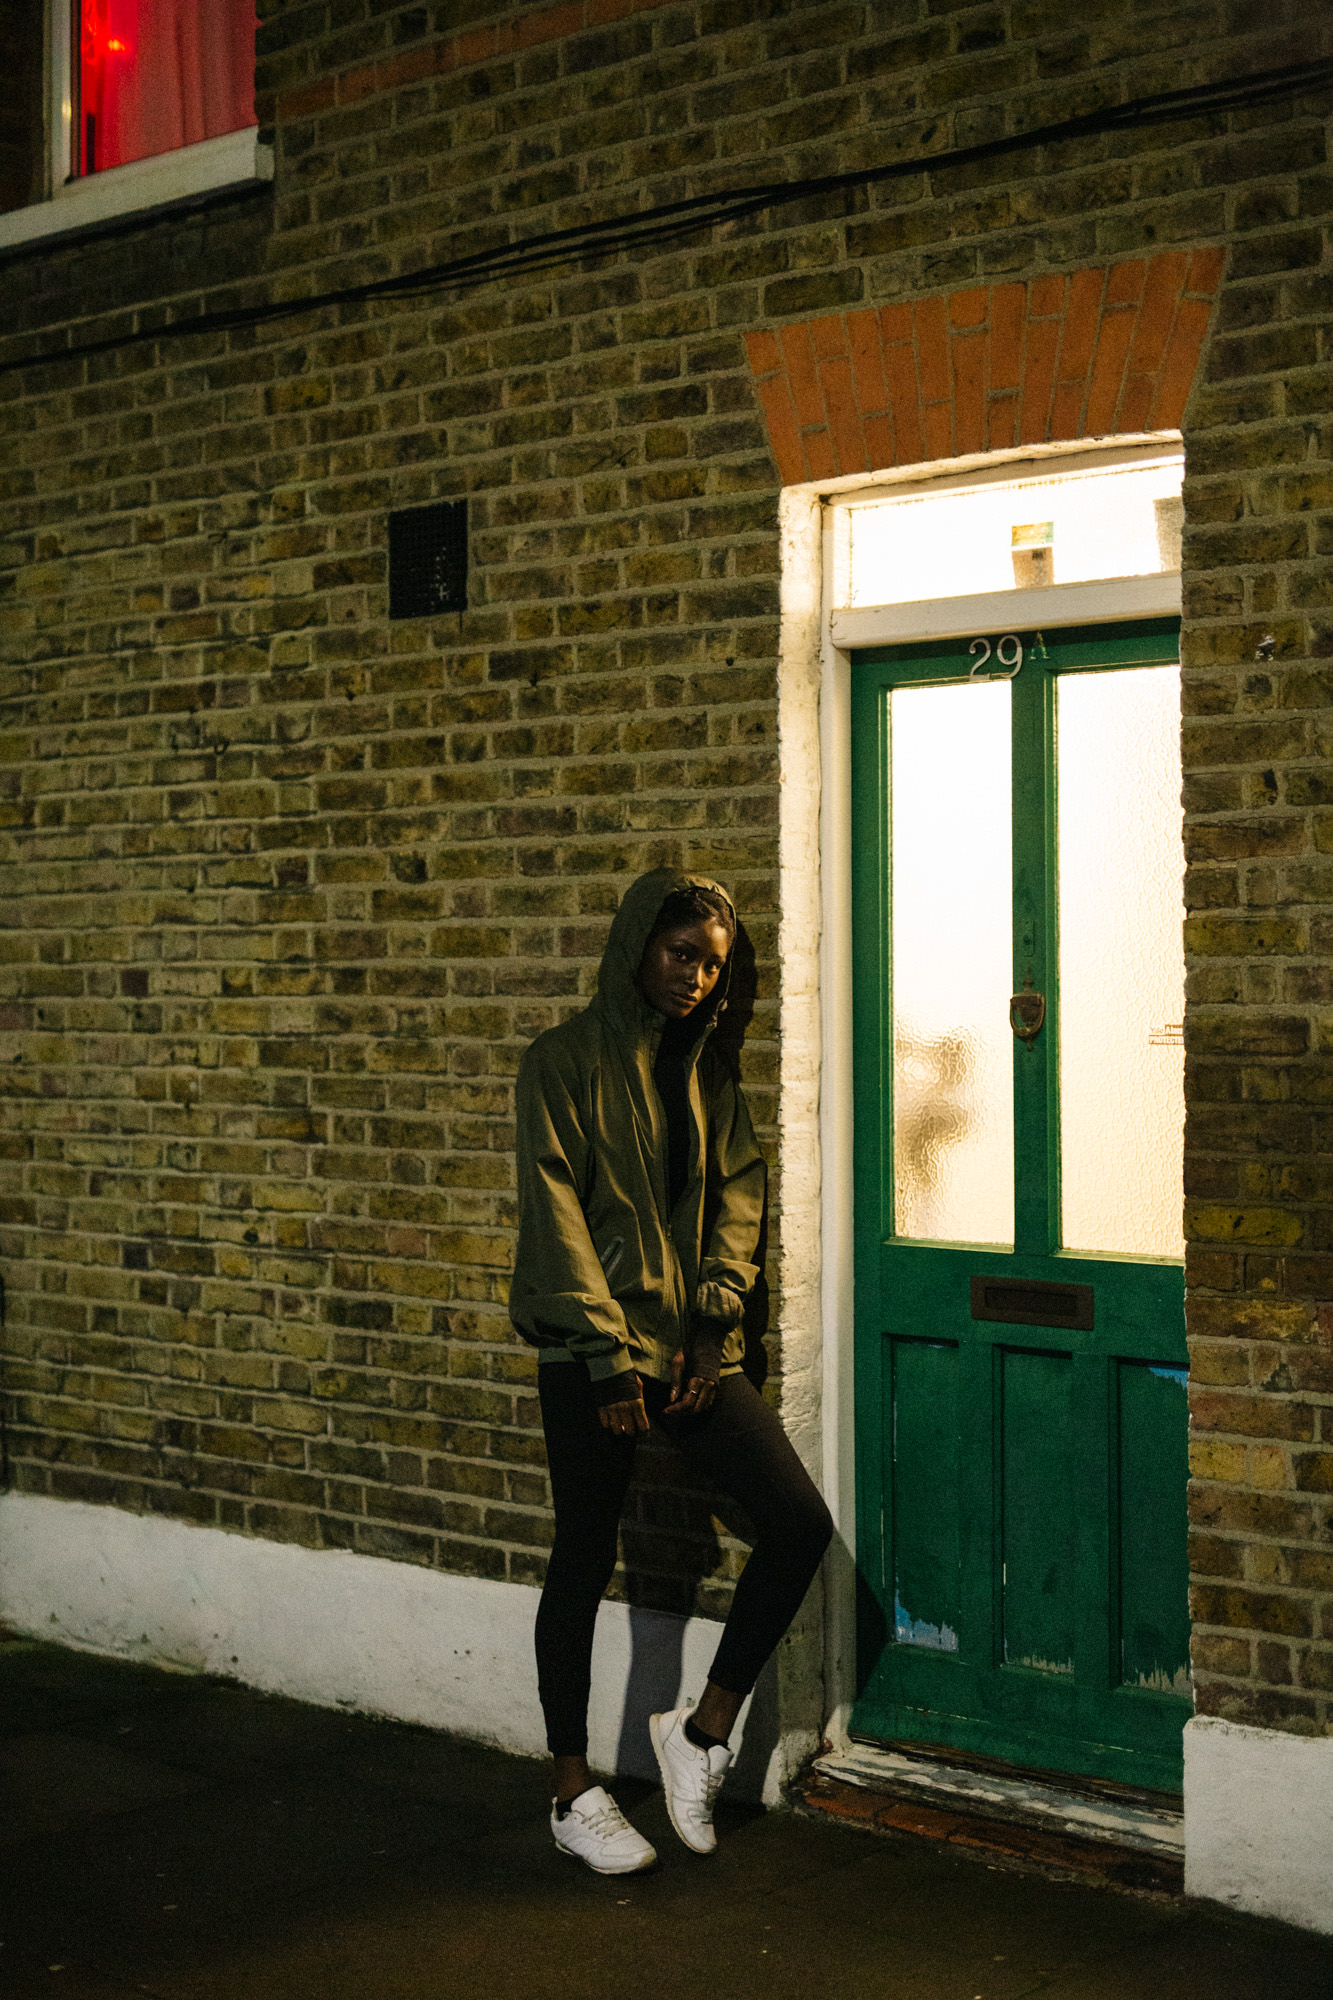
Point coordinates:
[(815, 955)]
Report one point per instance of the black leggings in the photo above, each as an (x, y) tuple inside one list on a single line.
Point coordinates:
[(744, 1450)]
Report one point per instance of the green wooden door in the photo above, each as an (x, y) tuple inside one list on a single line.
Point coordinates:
[(1020, 1343)]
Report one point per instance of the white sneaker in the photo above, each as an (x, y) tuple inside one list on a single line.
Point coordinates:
[(690, 1778), (596, 1831)]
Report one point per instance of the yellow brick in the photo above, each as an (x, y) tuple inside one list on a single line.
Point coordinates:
[(1267, 1466), (284, 1414), (1260, 1226), (290, 1195), (1210, 1458)]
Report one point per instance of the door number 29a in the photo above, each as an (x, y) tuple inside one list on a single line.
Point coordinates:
[(1008, 651)]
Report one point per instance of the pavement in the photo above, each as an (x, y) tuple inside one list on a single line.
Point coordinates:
[(185, 1838)]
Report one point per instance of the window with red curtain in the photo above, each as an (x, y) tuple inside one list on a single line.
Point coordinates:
[(155, 75)]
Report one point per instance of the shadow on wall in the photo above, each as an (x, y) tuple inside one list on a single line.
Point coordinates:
[(670, 1547), (729, 1042)]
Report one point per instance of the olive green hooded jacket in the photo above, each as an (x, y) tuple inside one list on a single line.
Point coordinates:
[(603, 1273)]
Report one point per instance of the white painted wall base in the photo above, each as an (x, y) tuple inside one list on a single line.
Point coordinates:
[(1259, 1821), (351, 1631)]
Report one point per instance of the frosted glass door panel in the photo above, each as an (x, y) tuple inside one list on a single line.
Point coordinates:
[(953, 1120), (1122, 970)]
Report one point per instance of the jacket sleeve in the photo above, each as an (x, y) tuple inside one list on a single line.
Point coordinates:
[(737, 1180), (558, 1289)]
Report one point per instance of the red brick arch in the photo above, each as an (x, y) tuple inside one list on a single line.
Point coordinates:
[(1096, 353)]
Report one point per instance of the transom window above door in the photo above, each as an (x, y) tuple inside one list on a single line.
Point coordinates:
[(1011, 534)]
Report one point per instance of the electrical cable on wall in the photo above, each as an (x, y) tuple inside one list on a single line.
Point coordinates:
[(622, 234)]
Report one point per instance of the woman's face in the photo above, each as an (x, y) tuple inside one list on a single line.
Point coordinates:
[(681, 966)]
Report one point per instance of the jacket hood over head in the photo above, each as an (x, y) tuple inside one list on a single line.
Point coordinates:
[(612, 1267), (618, 997)]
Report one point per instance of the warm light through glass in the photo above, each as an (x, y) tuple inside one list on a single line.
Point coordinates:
[(1122, 972), (157, 75), (953, 1128), (1059, 527)]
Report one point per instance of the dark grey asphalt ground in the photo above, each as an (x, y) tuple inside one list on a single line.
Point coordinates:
[(190, 1840)]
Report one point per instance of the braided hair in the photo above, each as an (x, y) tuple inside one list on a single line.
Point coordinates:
[(694, 906)]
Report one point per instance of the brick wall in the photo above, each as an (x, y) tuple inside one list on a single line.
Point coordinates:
[(299, 882), (1259, 831)]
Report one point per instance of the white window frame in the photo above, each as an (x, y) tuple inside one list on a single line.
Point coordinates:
[(233, 161)]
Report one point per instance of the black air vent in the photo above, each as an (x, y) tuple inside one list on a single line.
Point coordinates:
[(428, 560)]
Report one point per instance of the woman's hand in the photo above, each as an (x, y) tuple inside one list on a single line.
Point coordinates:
[(692, 1394), (626, 1416), (693, 1398)]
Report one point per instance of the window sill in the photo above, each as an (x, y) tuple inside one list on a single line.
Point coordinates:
[(214, 166)]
